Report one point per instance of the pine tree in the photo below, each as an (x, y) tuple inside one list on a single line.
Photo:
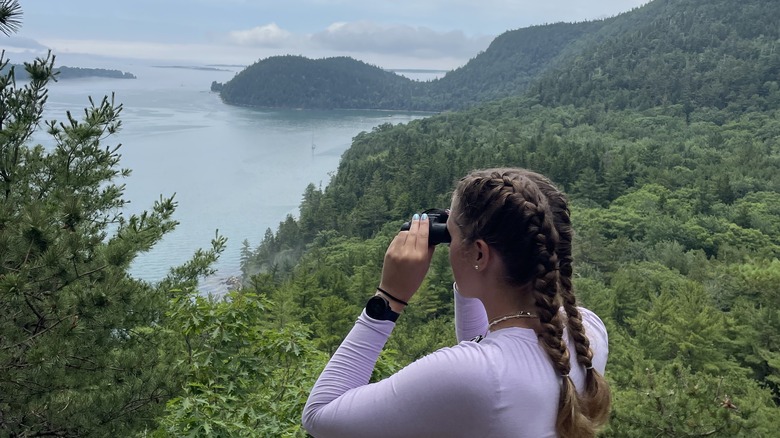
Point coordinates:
[(73, 324), (82, 349)]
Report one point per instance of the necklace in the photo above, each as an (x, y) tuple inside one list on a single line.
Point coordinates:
[(520, 314)]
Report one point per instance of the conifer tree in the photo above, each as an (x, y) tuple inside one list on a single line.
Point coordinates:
[(72, 322), (82, 349)]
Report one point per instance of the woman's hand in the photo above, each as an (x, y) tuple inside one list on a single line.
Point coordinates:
[(407, 260)]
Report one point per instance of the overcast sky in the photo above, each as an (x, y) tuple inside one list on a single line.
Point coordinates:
[(438, 34)]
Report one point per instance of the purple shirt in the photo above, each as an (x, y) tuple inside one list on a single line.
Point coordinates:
[(503, 386)]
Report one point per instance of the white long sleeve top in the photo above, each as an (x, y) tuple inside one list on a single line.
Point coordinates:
[(502, 386)]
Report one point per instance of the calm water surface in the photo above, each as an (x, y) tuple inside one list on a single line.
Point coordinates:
[(236, 170)]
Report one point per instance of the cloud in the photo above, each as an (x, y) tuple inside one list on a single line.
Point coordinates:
[(270, 35), (422, 42), (23, 43), (20, 49), (158, 52), (364, 37)]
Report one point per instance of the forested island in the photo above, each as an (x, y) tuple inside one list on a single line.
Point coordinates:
[(298, 82), (662, 124), (65, 72)]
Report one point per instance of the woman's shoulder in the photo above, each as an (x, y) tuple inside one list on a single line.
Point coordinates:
[(470, 363), (467, 356), (461, 372), (483, 369), (594, 326)]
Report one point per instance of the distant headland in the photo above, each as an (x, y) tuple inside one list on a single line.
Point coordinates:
[(64, 73), (417, 70), (195, 67)]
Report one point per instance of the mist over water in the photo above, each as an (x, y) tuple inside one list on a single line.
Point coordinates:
[(232, 169)]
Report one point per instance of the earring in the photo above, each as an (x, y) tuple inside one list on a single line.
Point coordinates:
[(476, 267)]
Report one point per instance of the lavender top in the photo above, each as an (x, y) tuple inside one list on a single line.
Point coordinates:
[(503, 386)]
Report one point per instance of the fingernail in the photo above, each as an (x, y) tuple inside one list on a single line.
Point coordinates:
[(416, 217), (424, 216)]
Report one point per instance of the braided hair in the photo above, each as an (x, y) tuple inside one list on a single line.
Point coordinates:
[(509, 211), (596, 398)]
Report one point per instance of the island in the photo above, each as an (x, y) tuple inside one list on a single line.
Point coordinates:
[(65, 72)]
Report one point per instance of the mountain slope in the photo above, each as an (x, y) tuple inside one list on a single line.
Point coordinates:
[(694, 53), (508, 66)]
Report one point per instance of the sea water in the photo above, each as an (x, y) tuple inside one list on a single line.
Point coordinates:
[(236, 170)]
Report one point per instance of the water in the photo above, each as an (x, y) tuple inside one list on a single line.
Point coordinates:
[(236, 170)]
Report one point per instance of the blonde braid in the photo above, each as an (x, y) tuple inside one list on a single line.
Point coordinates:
[(596, 398), (571, 421)]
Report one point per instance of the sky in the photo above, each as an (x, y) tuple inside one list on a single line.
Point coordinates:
[(392, 34)]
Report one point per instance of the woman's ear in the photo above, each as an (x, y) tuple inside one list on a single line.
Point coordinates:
[(482, 254)]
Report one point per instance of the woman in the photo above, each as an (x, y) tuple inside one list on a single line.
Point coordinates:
[(511, 259)]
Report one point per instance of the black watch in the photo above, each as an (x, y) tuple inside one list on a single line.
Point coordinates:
[(378, 308)]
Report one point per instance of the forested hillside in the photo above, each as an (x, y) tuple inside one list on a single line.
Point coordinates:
[(698, 54), (662, 125), (508, 66)]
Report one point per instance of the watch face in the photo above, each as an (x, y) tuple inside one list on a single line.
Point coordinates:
[(376, 308)]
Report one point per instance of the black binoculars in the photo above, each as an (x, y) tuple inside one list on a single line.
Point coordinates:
[(437, 219)]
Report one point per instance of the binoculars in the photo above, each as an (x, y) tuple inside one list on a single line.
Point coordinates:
[(437, 219)]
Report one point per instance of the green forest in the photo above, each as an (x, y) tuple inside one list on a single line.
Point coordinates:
[(662, 125)]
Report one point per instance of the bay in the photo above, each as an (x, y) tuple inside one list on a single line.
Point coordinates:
[(233, 169)]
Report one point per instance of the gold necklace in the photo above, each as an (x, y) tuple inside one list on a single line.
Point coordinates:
[(520, 314)]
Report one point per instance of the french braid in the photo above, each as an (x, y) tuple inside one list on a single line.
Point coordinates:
[(509, 212), (596, 397)]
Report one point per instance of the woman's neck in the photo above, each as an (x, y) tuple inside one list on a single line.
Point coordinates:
[(502, 302)]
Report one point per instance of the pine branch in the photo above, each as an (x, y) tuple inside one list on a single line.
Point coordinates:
[(10, 17), (41, 318), (8, 347)]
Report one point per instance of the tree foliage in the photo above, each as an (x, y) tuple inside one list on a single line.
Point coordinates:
[(243, 377)]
